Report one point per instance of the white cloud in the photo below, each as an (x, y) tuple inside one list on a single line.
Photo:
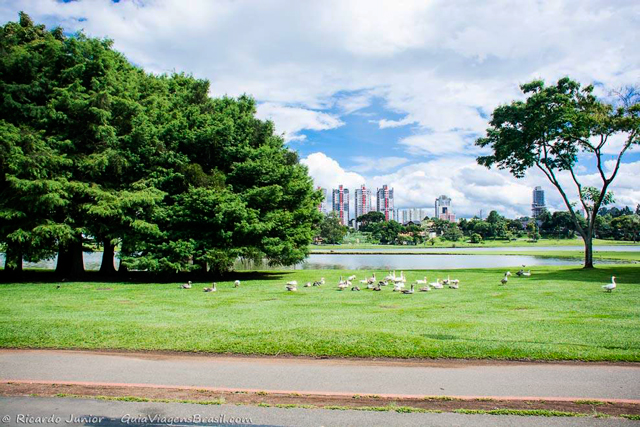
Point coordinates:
[(291, 120), (377, 164), (353, 103), (327, 173), (440, 143), (384, 123), (443, 66)]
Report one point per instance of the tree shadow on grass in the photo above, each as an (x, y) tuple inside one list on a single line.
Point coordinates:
[(132, 277)]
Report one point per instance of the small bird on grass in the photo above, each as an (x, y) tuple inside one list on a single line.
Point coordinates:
[(408, 291), (292, 286), (186, 285), (505, 279), (610, 286)]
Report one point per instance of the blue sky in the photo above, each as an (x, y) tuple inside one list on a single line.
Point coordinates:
[(381, 92)]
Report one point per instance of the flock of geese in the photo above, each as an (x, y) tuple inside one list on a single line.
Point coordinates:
[(372, 283), (398, 283)]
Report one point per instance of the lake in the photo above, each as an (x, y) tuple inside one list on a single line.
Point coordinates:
[(419, 262), (396, 261)]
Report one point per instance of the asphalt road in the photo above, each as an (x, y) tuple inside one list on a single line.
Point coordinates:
[(33, 411), (595, 381)]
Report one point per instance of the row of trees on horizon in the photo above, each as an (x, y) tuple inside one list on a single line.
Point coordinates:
[(611, 223)]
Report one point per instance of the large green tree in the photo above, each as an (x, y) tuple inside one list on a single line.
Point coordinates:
[(550, 129), (93, 149)]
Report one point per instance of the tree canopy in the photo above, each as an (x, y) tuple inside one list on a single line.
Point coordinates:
[(93, 150), (551, 128)]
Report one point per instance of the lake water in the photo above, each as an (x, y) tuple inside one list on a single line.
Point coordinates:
[(411, 262), (375, 261)]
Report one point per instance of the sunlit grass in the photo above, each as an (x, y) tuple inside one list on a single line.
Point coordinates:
[(558, 313)]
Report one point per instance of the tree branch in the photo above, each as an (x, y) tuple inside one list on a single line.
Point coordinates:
[(551, 176)]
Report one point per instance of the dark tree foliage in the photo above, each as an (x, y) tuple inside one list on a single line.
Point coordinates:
[(331, 229), (368, 219), (94, 150)]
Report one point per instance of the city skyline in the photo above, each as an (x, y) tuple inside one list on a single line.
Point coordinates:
[(443, 208)]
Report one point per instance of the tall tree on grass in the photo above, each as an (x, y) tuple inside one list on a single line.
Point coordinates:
[(550, 129)]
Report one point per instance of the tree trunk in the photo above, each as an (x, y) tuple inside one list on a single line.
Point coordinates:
[(588, 251), (70, 261), (13, 259), (107, 267)]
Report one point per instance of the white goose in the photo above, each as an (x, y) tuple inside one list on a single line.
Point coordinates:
[(352, 277), (436, 285), (186, 285), (400, 281), (212, 288), (236, 283), (292, 283), (391, 277), (291, 287), (401, 278), (422, 281), (610, 286), (343, 284), (307, 285)]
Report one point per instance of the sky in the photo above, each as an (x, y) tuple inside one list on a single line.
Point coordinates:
[(383, 92)]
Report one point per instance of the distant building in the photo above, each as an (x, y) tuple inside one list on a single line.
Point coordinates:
[(412, 215), (443, 209), (538, 206), (325, 204), (384, 202), (363, 201), (341, 204)]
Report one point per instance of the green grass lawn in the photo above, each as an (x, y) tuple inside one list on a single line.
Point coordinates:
[(558, 313), (487, 244)]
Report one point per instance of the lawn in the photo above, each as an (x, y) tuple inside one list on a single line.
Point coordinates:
[(558, 313)]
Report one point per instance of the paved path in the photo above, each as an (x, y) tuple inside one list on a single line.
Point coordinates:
[(127, 413), (595, 381)]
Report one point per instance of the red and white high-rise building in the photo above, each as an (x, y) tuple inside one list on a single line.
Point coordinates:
[(384, 202), (341, 204), (363, 201)]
